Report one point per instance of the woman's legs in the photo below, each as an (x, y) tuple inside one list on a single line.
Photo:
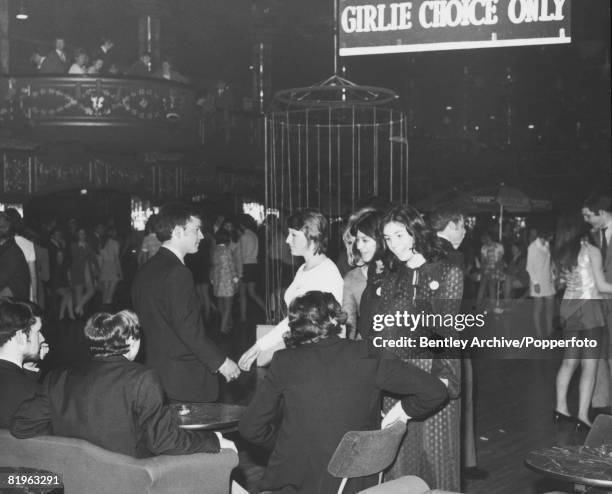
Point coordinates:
[(585, 388), (564, 376), (225, 306), (79, 293), (108, 291)]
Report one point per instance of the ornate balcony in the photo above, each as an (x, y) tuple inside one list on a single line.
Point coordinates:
[(135, 113)]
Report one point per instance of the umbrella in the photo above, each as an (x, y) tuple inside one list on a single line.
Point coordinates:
[(500, 198)]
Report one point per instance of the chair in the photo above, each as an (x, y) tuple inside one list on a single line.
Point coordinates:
[(362, 453), (601, 432)]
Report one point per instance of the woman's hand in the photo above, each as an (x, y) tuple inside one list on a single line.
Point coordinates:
[(249, 357)]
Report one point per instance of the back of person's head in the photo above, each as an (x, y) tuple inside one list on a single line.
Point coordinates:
[(442, 216), (16, 220), (6, 228), (312, 317), (111, 334), (16, 316), (314, 226), (571, 231), (247, 221), (597, 202), (170, 216)]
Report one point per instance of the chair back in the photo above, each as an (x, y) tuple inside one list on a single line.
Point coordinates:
[(362, 453), (601, 432)]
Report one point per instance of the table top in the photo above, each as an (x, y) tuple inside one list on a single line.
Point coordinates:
[(208, 416), (577, 464)]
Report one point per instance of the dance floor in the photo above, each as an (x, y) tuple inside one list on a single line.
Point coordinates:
[(514, 403)]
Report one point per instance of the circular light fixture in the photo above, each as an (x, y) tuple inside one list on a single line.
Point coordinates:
[(22, 14)]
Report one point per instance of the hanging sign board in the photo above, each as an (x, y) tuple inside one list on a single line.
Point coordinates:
[(426, 25)]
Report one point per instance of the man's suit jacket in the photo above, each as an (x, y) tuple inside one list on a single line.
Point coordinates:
[(323, 390), (53, 64), (175, 341), (113, 403), (16, 386)]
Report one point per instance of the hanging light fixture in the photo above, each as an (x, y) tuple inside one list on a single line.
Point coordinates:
[(22, 13)]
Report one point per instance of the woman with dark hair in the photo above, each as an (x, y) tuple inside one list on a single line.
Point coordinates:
[(324, 386), (417, 279), (308, 239), (364, 249), (582, 315)]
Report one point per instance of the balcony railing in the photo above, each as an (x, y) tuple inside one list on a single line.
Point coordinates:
[(139, 110)]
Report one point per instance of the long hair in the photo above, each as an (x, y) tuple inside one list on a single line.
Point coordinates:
[(426, 242), (366, 221), (313, 316), (570, 233)]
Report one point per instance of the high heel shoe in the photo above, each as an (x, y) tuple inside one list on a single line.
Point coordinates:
[(581, 426), (560, 418)]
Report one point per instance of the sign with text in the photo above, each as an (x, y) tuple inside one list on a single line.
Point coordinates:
[(426, 25)]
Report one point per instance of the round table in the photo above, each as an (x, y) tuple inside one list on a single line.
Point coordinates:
[(577, 464), (221, 417)]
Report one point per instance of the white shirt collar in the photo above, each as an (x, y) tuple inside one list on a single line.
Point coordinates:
[(175, 252)]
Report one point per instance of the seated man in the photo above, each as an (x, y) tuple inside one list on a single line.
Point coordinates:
[(111, 401), (20, 341), (321, 387)]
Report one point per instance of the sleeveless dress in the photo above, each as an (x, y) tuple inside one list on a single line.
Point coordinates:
[(581, 307), (431, 449)]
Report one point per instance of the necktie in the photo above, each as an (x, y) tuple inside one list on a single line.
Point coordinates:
[(604, 244)]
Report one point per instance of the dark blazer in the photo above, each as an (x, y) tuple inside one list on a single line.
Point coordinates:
[(53, 64), (16, 386), (14, 271), (175, 341), (113, 403), (322, 391)]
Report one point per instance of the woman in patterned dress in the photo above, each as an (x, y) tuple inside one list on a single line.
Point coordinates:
[(417, 279)]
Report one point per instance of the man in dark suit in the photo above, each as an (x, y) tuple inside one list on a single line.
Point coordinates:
[(322, 388), (14, 270), (597, 212), (166, 302), (56, 61), (21, 343), (111, 401)]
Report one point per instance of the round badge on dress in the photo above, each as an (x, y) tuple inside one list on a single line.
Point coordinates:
[(434, 285), (379, 291)]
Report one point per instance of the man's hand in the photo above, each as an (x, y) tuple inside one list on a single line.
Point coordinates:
[(230, 370), (249, 357), (395, 414)]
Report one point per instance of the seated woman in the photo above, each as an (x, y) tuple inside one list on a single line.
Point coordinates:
[(111, 401), (324, 386)]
